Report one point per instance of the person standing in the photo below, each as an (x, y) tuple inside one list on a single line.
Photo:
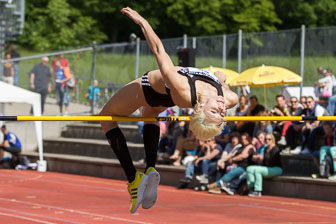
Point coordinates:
[(8, 70), (63, 75), (324, 86), (94, 92), (332, 98), (14, 54), (40, 80), (62, 59)]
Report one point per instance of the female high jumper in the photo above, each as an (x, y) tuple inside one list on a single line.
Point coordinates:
[(154, 92)]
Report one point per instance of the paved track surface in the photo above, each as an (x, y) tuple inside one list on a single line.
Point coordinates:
[(34, 197)]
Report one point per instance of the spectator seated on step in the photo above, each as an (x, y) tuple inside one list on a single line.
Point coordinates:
[(271, 167), (242, 158), (187, 141), (223, 138), (253, 110), (324, 158), (298, 133), (238, 185), (11, 144), (169, 138), (280, 109), (204, 162), (264, 126), (320, 136), (294, 109), (223, 165), (260, 142)]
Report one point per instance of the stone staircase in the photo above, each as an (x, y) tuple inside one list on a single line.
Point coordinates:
[(83, 149), (89, 140)]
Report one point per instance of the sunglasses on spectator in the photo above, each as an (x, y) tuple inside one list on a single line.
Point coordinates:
[(309, 101), (294, 101), (268, 139), (303, 102)]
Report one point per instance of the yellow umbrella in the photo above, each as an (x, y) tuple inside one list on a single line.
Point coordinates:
[(229, 74), (266, 76)]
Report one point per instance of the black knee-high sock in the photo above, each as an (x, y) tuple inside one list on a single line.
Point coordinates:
[(151, 135), (118, 143)]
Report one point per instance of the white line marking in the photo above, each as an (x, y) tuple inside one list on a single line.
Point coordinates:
[(57, 220), (285, 210), (74, 211), (66, 183), (26, 218)]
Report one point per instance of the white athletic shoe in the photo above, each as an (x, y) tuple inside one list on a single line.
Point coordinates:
[(151, 191), (282, 141), (296, 151), (202, 179), (333, 177)]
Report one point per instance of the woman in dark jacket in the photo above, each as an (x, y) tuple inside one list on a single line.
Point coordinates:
[(271, 167)]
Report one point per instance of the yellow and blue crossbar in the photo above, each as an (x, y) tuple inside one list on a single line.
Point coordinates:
[(170, 118)]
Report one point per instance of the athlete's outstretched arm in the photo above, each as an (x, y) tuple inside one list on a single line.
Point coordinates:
[(166, 65)]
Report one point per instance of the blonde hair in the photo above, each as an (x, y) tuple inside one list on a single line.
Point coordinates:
[(204, 130), (272, 137)]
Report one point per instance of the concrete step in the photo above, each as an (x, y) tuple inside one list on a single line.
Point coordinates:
[(287, 186), (88, 147), (102, 167), (301, 187), (296, 165), (94, 131)]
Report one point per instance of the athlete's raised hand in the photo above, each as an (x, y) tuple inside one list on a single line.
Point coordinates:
[(132, 14)]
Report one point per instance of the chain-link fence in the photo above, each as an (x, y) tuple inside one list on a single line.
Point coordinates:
[(281, 48), (113, 65)]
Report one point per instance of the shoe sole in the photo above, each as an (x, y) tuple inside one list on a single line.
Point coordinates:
[(201, 180), (141, 189), (228, 191), (253, 196), (214, 192), (204, 182), (151, 191), (185, 181)]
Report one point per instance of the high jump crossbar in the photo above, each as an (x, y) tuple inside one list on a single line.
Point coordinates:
[(170, 118)]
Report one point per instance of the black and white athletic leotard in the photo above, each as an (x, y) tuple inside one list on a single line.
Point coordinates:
[(155, 99)]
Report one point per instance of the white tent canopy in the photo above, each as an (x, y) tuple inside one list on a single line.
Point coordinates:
[(295, 91), (13, 94)]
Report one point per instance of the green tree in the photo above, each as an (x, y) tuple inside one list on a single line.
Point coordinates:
[(253, 15), (55, 24), (312, 13), (201, 17), (172, 18), (116, 26), (106, 12)]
